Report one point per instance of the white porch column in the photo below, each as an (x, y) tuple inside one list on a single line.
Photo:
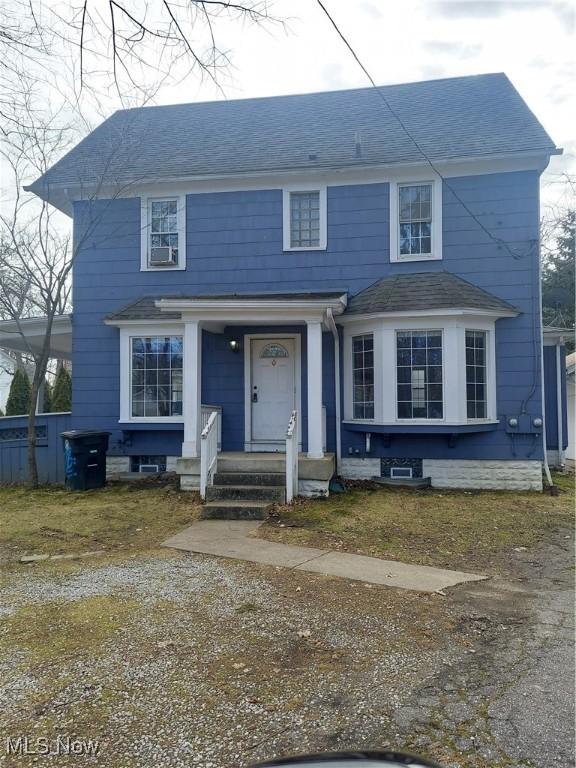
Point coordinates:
[(192, 388), (314, 337)]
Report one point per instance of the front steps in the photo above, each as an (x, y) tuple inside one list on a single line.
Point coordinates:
[(263, 469), (243, 495)]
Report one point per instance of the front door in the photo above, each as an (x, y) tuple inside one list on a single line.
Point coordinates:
[(273, 391)]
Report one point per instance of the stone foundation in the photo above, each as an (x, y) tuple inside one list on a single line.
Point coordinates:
[(460, 473), (488, 475), (117, 466), (313, 489), (359, 469)]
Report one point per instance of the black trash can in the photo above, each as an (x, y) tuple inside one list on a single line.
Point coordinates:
[(85, 459)]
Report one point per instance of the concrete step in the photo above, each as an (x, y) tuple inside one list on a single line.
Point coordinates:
[(252, 464), (250, 478), (246, 493), (235, 510)]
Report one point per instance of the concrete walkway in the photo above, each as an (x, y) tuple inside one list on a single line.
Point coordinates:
[(236, 539)]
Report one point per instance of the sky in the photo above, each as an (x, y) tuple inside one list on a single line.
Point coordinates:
[(532, 41), (398, 41)]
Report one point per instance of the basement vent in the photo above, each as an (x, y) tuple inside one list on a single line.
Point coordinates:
[(148, 464), (401, 468)]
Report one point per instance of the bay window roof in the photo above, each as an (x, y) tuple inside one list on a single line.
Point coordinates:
[(426, 291)]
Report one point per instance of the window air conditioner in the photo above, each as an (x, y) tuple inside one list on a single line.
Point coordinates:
[(162, 257)]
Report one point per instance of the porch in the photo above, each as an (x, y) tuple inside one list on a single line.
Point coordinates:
[(268, 364)]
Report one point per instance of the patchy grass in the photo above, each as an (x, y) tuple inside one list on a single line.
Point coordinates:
[(453, 529), (52, 520), (50, 631)]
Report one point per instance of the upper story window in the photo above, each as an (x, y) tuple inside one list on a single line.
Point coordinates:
[(476, 394), (163, 233), (305, 221), (415, 217), (419, 374), (363, 376), (415, 221)]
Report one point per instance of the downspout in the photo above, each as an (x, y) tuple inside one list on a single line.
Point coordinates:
[(559, 401), (552, 488), (332, 325)]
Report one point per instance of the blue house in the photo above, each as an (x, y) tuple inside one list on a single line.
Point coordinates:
[(360, 272)]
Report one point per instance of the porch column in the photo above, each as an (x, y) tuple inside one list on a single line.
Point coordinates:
[(192, 388), (314, 337)]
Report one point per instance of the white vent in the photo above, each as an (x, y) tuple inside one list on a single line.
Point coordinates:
[(162, 257), (398, 472), (152, 468)]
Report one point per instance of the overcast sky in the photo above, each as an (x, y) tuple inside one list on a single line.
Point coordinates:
[(532, 41)]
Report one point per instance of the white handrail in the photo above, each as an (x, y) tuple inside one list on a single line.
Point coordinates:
[(208, 452), (292, 458)]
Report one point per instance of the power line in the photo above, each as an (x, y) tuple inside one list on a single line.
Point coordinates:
[(497, 240)]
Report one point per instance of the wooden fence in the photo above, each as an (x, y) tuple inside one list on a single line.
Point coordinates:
[(50, 451)]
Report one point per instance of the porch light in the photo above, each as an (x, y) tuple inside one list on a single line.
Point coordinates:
[(234, 345)]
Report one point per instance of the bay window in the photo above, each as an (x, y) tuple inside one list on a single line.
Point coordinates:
[(419, 374), (363, 376), (476, 395)]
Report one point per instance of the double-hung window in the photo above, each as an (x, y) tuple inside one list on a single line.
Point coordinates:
[(415, 221), (304, 219), (163, 233), (363, 376), (155, 376), (419, 365), (476, 395)]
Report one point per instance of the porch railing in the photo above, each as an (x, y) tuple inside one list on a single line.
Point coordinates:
[(292, 458), (208, 452), (205, 411)]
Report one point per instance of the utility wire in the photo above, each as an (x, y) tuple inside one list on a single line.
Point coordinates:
[(497, 240)]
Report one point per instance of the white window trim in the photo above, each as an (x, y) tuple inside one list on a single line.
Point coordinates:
[(395, 255), (145, 224), (126, 334), (286, 192), (453, 368)]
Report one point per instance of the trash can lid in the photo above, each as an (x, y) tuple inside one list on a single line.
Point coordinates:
[(74, 434)]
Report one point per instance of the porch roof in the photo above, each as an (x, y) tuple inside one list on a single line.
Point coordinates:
[(171, 307), (27, 336)]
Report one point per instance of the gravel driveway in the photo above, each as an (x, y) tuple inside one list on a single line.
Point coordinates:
[(173, 659)]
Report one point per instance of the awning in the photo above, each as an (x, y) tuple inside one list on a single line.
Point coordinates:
[(28, 336)]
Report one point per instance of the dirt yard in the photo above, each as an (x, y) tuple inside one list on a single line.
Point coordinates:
[(171, 659)]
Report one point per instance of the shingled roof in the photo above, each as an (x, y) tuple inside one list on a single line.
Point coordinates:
[(424, 291), (462, 117)]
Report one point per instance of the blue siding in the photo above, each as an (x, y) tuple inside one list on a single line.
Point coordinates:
[(551, 398), (234, 244), (49, 453)]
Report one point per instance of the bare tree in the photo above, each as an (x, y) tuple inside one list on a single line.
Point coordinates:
[(135, 46), (35, 256)]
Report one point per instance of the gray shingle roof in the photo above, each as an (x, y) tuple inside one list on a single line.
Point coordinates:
[(458, 117), (424, 291), (146, 309)]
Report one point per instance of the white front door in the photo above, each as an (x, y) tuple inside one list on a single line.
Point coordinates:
[(273, 391)]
